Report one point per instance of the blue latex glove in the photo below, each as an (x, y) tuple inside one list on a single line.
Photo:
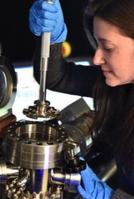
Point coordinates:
[(47, 17), (94, 188)]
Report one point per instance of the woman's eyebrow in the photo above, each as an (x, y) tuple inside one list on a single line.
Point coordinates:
[(104, 40)]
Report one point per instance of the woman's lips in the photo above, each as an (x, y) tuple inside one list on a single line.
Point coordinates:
[(106, 72)]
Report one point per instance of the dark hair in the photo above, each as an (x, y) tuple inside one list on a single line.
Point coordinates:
[(115, 12), (114, 106)]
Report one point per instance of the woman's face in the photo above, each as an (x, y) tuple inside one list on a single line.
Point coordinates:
[(115, 54)]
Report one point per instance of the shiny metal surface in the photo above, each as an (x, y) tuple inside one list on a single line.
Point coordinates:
[(8, 83), (34, 145), (6, 171), (108, 170), (79, 131), (6, 121), (16, 187), (45, 54), (69, 180), (41, 109)]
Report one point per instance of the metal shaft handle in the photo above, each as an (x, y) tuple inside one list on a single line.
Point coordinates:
[(45, 52)]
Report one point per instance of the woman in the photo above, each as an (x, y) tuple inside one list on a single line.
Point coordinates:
[(111, 22)]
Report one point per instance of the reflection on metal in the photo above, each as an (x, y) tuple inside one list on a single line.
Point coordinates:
[(8, 82), (69, 180), (15, 187), (7, 171), (34, 145), (39, 149), (107, 171), (6, 121), (41, 109)]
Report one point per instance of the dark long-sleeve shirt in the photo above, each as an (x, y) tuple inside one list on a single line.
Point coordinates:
[(66, 77)]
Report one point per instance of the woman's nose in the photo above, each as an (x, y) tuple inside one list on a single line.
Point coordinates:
[(98, 58)]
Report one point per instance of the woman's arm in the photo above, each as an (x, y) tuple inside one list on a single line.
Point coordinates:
[(64, 76)]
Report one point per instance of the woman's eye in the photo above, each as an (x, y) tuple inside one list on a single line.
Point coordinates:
[(108, 49)]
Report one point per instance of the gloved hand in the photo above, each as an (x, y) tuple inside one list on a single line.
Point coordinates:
[(47, 17), (94, 188)]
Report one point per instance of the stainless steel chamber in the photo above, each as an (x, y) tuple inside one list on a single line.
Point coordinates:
[(40, 160)]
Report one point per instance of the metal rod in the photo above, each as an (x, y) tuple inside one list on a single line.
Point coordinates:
[(45, 52), (45, 48), (44, 188)]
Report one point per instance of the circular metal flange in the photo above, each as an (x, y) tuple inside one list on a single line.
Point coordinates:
[(34, 145), (8, 84)]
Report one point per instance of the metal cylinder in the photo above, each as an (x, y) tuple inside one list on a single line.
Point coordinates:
[(80, 132), (7, 171), (34, 145)]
